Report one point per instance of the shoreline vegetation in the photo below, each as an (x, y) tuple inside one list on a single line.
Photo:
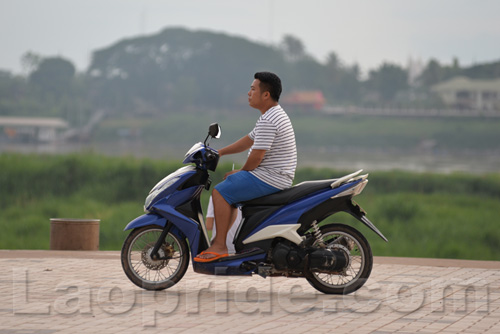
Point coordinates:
[(429, 215)]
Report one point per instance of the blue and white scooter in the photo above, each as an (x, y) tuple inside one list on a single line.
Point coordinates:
[(280, 234)]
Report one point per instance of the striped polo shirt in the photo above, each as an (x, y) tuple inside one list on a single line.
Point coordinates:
[(274, 134)]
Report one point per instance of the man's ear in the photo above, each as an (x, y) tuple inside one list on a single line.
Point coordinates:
[(267, 95)]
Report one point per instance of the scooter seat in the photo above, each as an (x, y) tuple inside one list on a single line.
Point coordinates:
[(290, 194)]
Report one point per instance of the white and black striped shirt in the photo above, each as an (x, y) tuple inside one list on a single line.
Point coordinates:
[(274, 134)]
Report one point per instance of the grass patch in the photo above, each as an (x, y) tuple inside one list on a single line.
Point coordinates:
[(422, 215)]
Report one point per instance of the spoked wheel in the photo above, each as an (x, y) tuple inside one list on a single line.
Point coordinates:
[(355, 247), (151, 274)]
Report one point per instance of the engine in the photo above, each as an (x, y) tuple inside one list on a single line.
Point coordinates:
[(289, 257)]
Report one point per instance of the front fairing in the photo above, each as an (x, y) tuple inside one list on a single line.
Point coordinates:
[(194, 153), (168, 185), (203, 156)]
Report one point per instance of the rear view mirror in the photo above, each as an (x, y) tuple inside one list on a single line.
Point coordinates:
[(214, 130)]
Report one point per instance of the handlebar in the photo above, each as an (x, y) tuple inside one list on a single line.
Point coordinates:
[(209, 156)]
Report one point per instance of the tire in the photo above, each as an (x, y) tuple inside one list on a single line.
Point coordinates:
[(347, 239), (146, 272)]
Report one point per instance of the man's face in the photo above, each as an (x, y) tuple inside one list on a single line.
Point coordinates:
[(255, 96)]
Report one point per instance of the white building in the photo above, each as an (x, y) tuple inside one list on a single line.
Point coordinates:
[(31, 128), (465, 93)]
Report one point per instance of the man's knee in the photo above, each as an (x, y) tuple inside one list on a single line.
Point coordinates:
[(216, 193), (216, 196)]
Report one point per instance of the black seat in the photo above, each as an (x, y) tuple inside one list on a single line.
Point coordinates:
[(290, 194)]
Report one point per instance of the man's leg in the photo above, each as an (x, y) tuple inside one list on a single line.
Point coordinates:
[(224, 216), (236, 188)]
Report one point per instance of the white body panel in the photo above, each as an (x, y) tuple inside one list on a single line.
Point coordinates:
[(288, 232)]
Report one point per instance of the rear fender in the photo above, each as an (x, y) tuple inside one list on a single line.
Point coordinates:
[(333, 206), (357, 212)]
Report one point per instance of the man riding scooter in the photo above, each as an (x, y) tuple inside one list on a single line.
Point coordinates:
[(270, 166)]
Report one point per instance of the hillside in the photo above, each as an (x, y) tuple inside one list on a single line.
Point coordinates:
[(179, 70)]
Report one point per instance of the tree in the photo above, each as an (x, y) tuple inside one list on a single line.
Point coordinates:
[(483, 71), (54, 76), (387, 81), (333, 62), (30, 61), (293, 48), (12, 92), (435, 73), (432, 74), (343, 81)]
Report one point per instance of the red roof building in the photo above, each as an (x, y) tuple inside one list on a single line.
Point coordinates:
[(313, 99)]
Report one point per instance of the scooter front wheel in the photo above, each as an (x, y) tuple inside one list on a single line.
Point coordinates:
[(151, 274)]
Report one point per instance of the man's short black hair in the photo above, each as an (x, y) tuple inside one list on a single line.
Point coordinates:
[(269, 82)]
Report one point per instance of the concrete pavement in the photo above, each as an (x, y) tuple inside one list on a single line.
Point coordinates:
[(46, 292)]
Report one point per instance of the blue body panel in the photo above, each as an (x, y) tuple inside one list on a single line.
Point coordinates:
[(228, 267), (164, 210), (145, 220), (291, 213), (158, 192)]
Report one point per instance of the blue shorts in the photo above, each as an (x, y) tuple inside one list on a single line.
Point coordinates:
[(243, 186)]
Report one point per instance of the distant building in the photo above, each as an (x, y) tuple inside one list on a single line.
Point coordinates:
[(31, 129), (465, 93), (304, 100)]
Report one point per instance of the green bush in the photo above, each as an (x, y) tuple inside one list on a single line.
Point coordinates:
[(422, 215)]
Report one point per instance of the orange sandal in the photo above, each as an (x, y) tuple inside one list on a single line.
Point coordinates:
[(216, 257)]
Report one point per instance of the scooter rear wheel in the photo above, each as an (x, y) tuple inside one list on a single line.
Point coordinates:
[(151, 274), (360, 261)]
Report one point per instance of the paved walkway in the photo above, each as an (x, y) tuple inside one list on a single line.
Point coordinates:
[(48, 292)]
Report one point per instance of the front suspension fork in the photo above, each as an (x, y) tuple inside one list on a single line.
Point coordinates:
[(159, 242)]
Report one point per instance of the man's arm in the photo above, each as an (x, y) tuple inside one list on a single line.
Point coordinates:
[(253, 161), (238, 146)]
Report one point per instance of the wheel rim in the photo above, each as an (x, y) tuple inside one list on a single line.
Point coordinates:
[(154, 271), (356, 261)]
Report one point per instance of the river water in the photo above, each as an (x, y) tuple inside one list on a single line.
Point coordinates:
[(476, 162)]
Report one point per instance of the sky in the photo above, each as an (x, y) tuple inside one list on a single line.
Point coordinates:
[(363, 32)]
